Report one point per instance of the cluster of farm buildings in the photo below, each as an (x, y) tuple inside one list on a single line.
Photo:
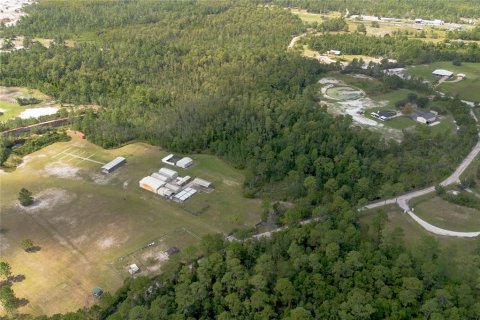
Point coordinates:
[(168, 184)]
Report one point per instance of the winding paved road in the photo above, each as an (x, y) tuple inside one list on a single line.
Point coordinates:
[(403, 200)]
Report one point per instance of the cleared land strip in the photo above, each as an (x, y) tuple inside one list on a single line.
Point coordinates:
[(403, 200)]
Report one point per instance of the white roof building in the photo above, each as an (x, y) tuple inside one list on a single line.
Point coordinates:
[(167, 159), (184, 162), (168, 173), (151, 184), (164, 192), (202, 183), (160, 177), (133, 268), (182, 180), (112, 165), (335, 52), (442, 73), (173, 187), (184, 194)]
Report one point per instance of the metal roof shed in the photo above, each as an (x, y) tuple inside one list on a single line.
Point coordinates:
[(151, 184), (112, 165), (168, 173), (442, 73), (202, 183), (185, 162)]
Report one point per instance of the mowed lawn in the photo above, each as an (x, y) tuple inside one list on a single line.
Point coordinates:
[(414, 235), (447, 215), (83, 220), (467, 89)]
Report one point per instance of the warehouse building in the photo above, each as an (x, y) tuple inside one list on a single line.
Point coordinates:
[(168, 173), (181, 181), (185, 162), (151, 184), (114, 164), (202, 183), (184, 194), (442, 73), (179, 161), (161, 177)]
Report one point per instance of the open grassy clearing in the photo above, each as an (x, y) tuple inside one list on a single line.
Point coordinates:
[(444, 214), (9, 105), (414, 234), (84, 220), (467, 89)]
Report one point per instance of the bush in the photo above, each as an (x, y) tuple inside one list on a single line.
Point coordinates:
[(25, 197)]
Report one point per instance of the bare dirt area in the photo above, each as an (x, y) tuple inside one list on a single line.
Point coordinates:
[(61, 170), (47, 199)]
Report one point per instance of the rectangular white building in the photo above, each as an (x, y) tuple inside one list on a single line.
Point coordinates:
[(151, 184), (185, 162), (114, 164), (168, 173)]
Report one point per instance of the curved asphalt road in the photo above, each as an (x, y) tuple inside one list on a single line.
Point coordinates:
[(403, 200)]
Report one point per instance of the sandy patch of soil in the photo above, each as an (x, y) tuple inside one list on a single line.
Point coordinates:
[(38, 112), (80, 240), (61, 170), (28, 158), (11, 10), (159, 256), (47, 199), (107, 243)]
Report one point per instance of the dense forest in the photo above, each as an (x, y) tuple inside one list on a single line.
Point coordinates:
[(215, 76), (447, 10), (319, 271), (409, 51), (170, 80)]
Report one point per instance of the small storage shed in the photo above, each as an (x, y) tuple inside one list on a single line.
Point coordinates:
[(168, 173), (164, 192), (97, 292), (151, 184), (160, 177), (114, 164), (168, 160), (173, 187), (181, 181), (185, 162), (202, 183), (133, 268)]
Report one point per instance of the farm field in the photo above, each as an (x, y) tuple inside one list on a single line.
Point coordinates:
[(414, 235), (467, 89), (446, 215), (90, 226)]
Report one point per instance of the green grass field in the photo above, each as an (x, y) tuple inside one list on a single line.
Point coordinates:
[(446, 215), (414, 234), (467, 89), (9, 105), (85, 221)]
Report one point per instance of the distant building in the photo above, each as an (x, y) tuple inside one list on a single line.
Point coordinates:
[(182, 180), (97, 292), (184, 194), (384, 115), (202, 183), (400, 72), (151, 184), (335, 52), (133, 268), (435, 22), (114, 164), (168, 173), (442, 73), (425, 117), (185, 162), (161, 177)]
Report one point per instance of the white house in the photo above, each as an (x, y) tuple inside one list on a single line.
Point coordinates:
[(442, 73), (335, 52)]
